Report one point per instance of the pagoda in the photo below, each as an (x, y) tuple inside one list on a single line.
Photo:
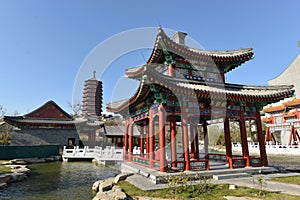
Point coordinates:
[(92, 98), (186, 87)]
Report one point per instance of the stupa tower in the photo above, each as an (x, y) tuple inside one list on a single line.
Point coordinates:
[(92, 98)]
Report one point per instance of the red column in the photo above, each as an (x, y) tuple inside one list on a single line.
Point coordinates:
[(142, 142), (196, 140), (294, 134), (244, 139), (130, 140), (147, 140), (173, 140), (205, 139), (151, 138), (171, 70), (126, 140), (162, 140), (228, 143), (184, 123), (192, 141), (262, 147)]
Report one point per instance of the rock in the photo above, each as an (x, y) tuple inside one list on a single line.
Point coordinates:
[(106, 185), (232, 187), (4, 178), (95, 186), (122, 177), (16, 177), (116, 188), (101, 196), (19, 162), (120, 195), (3, 185), (110, 195), (36, 160), (16, 166), (23, 170), (50, 159)]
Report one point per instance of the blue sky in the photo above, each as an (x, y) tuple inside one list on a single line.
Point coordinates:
[(44, 44)]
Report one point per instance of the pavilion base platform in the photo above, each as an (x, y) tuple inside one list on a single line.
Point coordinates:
[(217, 171)]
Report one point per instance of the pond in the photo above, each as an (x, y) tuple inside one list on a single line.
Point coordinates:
[(58, 180)]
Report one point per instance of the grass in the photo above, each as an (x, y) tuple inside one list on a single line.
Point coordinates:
[(217, 192), (5, 169), (289, 179)]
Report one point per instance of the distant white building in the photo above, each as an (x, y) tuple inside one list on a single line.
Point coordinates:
[(290, 76)]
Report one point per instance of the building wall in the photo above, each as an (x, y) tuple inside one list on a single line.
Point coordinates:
[(42, 136), (290, 76)]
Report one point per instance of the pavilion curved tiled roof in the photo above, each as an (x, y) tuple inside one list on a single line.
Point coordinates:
[(225, 60), (263, 94)]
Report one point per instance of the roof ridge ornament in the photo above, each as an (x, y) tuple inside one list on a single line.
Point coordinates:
[(94, 74)]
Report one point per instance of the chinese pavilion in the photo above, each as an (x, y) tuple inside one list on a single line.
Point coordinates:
[(283, 118), (184, 86)]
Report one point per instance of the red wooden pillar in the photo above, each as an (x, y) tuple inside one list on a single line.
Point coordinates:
[(244, 139), (171, 70), (184, 123), (294, 134), (147, 140), (130, 140), (196, 140), (262, 147), (205, 139), (192, 141), (228, 143), (291, 136), (173, 140), (142, 141), (162, 140), (151, 138), (126, 140)]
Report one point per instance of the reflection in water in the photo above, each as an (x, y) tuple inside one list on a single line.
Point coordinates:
[(58, 180)]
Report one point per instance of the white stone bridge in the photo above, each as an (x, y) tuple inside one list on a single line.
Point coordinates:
[(110, 153)]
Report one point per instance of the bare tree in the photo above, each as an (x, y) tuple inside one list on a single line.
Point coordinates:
[(76, 108), (2, 111)]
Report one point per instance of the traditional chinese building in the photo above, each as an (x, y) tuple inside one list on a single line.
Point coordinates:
[(48, 124), (92, 98), (186, 87), (283, 122)]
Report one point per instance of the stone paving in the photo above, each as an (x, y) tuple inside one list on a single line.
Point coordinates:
[(144, 183)]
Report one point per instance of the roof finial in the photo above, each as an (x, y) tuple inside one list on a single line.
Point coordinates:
[(94, 74), (299, 43)]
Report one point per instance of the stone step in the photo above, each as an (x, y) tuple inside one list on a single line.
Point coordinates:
[(229, 176)]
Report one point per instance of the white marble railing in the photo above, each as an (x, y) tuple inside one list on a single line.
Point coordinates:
[(108, 153)]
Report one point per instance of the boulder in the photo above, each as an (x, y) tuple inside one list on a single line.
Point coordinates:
[(15, 166), (36, 160), (16, 177), (19, 162), (122, 176), (95, 186), (101, 196), (3, 185), (106, 185), (4, 178), (110, 195), (118, 193), (23, 170)]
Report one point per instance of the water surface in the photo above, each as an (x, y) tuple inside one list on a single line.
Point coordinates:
[(58, 180)]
